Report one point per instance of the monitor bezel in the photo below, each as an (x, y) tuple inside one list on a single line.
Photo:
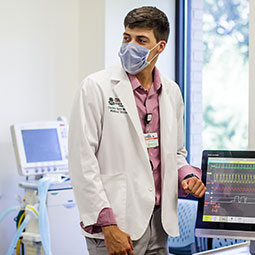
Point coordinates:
[(221, 226), (20, 150)]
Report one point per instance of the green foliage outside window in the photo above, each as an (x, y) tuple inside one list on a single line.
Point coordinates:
[(225, 74)]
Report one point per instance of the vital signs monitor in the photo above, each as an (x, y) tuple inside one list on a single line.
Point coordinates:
[(40, 147), (228, 206)]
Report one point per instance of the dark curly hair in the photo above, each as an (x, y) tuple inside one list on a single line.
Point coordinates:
[(151, 18)]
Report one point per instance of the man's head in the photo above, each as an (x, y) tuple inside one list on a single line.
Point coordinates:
[(148, 17)]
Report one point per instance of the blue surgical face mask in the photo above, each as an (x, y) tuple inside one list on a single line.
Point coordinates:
[(134, 57)]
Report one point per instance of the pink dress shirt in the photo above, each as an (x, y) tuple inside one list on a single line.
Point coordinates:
[(146, 102)]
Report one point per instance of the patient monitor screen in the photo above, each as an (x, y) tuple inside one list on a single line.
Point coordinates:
[(230, 196), (41, 145)]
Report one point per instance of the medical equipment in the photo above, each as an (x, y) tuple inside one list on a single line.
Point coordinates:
[(48, 212), (61, 233), (31, 211), (40, 147), (228, 207)]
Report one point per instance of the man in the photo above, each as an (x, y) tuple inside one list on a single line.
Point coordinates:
[(126, 152)]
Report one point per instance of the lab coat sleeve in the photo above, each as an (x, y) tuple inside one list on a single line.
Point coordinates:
[(84, 138), (181, 151), (183, 167), (105, 218)]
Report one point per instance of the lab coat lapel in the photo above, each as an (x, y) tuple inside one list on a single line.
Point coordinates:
[(124, 91)]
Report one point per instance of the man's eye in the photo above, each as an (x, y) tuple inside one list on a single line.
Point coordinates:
[(141, 41), (125, 38)]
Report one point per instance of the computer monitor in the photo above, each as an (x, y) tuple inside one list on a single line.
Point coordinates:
[(40, 147), (228, 206)]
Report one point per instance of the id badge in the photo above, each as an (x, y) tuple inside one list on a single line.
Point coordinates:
[(151, 140)]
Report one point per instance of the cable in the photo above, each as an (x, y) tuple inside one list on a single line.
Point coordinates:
[(7, 211), (31, 211), (18, 234), (20, 219), (44, 228), (18, 247)]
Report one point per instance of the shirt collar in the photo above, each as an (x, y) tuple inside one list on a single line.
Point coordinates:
[(156, 80)]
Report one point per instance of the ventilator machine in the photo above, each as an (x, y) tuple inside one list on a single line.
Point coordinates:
[(47, 217)]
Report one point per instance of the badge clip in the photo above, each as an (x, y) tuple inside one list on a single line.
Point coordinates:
[(148, 118)]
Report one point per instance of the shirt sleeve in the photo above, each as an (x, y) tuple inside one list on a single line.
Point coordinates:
[(105, 218), (184, 171)]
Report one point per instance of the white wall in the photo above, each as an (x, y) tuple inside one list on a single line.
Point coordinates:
[(91, 36), (252, 76), (39, 71), (115, 13)]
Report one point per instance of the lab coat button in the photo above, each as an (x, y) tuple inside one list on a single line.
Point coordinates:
[(150, 189)]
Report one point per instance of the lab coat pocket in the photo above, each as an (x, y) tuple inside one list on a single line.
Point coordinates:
[(115, 186)]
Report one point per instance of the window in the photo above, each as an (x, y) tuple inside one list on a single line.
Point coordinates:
[(225, 74), (217, 75)]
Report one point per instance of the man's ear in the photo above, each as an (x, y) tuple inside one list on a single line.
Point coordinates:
[(162, 46)]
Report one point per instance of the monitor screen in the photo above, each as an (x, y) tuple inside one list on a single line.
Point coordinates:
[(41, 145), (230, 195), (228, 206)]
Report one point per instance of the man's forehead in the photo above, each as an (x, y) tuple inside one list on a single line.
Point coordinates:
[(137, 31)]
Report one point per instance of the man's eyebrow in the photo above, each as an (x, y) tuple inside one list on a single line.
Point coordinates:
[(142, 36), (139, 36)]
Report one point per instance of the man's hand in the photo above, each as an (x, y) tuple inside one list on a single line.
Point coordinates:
[(117, 242), (194, 186)]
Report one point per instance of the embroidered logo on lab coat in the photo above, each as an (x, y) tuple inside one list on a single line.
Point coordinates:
[(115, 105)]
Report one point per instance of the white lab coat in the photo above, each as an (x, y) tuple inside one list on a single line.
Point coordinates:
[(108, 159)]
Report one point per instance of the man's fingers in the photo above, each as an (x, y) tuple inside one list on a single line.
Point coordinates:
[(191, 183), (198, 190), (130, 252), (185, 185), (196, 186), (202, 192), (121, 253), (117, 242), (127, 251), (130, 242)]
